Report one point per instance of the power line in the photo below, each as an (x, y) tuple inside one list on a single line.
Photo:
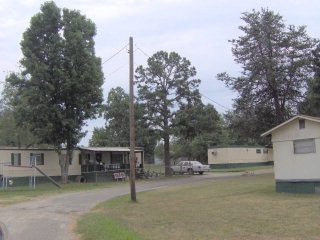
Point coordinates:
[(118, 69), (144, 53), (122, 66), (115, 54), (215, 102)]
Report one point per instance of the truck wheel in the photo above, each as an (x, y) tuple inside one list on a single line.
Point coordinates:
[(200, 173), (190, 171)]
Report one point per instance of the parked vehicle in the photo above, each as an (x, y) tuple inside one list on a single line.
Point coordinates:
[(190, 167)]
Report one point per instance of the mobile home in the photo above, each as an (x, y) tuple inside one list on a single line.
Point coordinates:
[(87, 164), (296, 154), (239, 156)]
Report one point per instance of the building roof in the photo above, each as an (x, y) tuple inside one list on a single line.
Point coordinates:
[(310, 118), (236, 146), (110, 149)]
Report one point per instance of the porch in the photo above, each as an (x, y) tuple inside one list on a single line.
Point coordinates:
[(99, 164)]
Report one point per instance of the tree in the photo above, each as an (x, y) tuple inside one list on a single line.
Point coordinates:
[(117, 117), (197, 125), (11, 134), (146, 136), (163, 86), (116, 131), (275, 60), (246, 124), (61, 80), (311, 104), (101, 137)]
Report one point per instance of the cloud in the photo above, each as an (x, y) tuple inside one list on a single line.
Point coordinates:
[(198, 30)]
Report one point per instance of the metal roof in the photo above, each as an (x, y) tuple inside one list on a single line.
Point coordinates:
[(313, 119), (110, 149)]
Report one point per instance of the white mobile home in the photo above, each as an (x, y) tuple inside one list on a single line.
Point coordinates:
[(296, 153), (88, 164), (239, 156), (17, 164)]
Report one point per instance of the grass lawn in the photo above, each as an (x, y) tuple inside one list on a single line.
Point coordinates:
[(236, 208), (13, 195)]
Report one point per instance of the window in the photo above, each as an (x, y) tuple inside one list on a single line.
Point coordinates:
[(116, 158), (80, 159), (16, 159), (304, 146), (265, 151), (37, 158), (302, 123), (258, 151)]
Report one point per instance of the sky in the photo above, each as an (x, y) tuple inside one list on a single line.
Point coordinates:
[(198, 30)]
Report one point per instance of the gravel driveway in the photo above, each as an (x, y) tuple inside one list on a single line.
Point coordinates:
[(52, 218)]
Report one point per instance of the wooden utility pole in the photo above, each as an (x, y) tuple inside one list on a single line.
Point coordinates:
[(132, 126)]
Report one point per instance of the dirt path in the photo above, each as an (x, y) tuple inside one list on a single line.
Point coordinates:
[(53, 218)]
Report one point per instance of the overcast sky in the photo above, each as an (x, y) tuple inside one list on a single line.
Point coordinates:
[(196, 29)]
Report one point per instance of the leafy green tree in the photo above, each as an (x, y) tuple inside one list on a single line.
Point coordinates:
[(146, 136), (311, 104), (199, 148), (198, 125), (116, 132), (186, 120), (61, 81), (275, 61), (245, 125), (100, 138), (117, 117), (165, 84), (10, 134)]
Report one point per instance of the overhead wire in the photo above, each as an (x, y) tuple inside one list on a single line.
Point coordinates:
[(125, 47), (148, 56), (214, 102), (144, 53), (116, 70)]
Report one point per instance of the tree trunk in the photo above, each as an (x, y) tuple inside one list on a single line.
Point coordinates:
[(167, 162), (64, 165), (279, 112)]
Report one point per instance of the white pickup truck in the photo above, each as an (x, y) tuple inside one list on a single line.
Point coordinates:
[(190, 167)]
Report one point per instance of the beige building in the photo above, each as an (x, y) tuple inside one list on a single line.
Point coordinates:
[(88, 164), (239, 156), (17, 164), (296, 154)]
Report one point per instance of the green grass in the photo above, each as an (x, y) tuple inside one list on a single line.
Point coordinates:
[(238, 208), (107, 228), (13, 195)]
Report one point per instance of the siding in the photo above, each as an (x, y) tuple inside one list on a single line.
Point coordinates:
[(239, 155)]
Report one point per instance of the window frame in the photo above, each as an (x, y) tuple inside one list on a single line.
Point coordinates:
[(301, 146), (39, 161), (13, 160), (302, 123)]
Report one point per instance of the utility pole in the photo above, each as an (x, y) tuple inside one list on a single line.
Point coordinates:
[(132, 126)]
